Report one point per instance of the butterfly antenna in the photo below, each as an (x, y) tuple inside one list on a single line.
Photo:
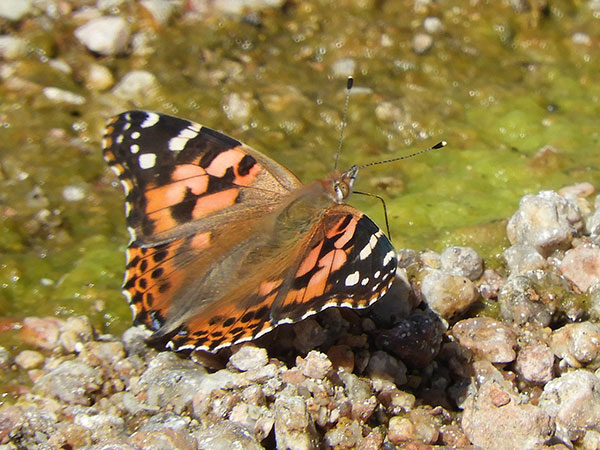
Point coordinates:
[(343, 125), (439, 145)]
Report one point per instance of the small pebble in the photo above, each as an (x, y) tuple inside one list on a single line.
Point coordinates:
[(12, 47), (545, 221), (99, 78), (42, 333), (5, 358), (581, 266), (581, 39), (73, 193), (520, 303), (577, 343), (160, 10), (522, 258), (447, 294), (15, 10), (29, 359), (136, 86), (502, 425), (462, 261), (400, 430), (249, 357), (573, 400), (433, 25), (535, 363), (237, 108), (487, 339), (316, 365), (422, 43), (58, 95), (105, 35)]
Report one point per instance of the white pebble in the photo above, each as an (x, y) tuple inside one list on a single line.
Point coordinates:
[(104, 35)]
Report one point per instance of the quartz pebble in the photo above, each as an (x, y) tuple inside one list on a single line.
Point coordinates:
[(249, 357), (494, 418), (577, 343), (137, 85), (15, 10), (535, 363), (462, 261), (573, 400), (487, 339), (545, 221), (581, 266), (105, 35), (448, 294), (29, 359)]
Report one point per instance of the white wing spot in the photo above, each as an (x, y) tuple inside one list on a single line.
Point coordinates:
[(135, 135), (367, 249), (119, 139), (127, 126), (364, 281), (388, 257), (147, 160), (134, 148), (178, 143), (352, 279), (377, 274), (150, 120), (375, 287), (126, 186)]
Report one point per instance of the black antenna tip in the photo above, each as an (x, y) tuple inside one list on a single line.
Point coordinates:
[(441, 144), (350, 83)]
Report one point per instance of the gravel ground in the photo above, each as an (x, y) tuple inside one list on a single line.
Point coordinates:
[(420, 369), (457, 355)]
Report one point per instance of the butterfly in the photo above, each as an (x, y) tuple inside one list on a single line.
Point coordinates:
[(227, 244)]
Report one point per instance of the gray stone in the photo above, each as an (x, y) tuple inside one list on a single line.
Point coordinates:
[(71, 382), (171, 381), (522, 258), (249, 357), (462, 261), (546, 221), (573, 401), (225, 435), (520, 303), (294, 427)]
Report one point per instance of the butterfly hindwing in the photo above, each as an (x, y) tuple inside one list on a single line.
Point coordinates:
[(345, 261)]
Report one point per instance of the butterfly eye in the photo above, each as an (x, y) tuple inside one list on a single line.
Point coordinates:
[(341, 191)]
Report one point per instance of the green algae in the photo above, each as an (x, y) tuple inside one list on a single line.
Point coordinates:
[(497, 85)]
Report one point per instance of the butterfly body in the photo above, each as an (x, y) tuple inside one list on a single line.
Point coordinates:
[(226, 243)]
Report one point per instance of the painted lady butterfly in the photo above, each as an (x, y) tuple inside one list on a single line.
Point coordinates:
[(226, 244)]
